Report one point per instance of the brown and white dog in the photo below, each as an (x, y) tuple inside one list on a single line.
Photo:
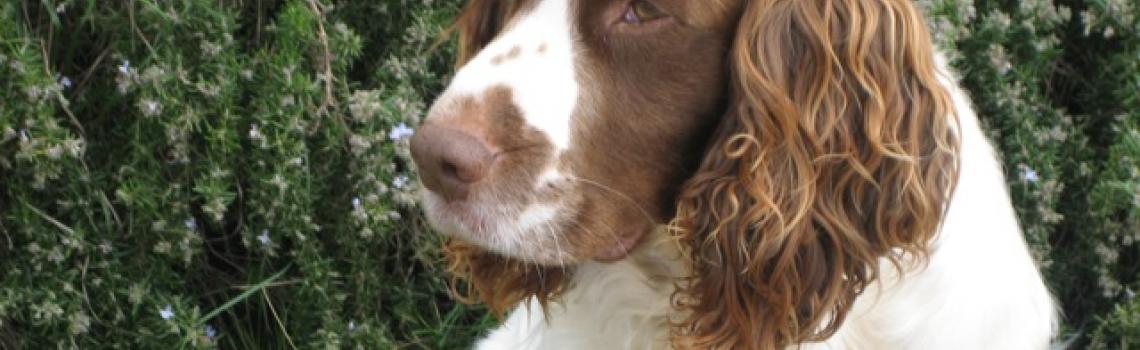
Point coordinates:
[(731, 174)]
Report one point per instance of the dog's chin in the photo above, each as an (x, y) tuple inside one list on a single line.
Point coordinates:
[(553, 233), (536, 234)]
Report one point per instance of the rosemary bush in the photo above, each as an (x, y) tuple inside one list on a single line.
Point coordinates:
[(235, 174)]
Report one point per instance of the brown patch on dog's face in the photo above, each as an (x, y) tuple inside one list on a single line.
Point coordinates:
[(519, 151), (651, 95), (621, 111)]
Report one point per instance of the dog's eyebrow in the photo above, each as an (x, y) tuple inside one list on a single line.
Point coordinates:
[(704, 14)]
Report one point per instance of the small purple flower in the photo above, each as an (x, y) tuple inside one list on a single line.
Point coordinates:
[(400, 181), (166, 313), (150, 107), (255, 133), (65, 82), (125, 68), (211, 332), (356, 203), (264, 238), (191, 224), (1029, 174), (401, 131)]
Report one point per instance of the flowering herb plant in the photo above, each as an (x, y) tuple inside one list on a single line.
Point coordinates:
[(235, 174)]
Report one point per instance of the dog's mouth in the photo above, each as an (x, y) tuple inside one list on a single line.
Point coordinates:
[(533, 232), (553, 225)]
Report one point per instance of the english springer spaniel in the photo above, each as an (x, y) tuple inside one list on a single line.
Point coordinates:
[(728, 174)]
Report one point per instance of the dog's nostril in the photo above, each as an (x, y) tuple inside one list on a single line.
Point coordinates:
[(450, 170)]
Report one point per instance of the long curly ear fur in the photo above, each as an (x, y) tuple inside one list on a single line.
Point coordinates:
[(837, 150), (477, 275)]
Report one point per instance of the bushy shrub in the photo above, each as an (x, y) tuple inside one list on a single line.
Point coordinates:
[(1057, 83), (196, 173), (203, 173)]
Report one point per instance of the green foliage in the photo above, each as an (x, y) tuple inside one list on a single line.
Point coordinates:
[(1057, 83), (1120, 330), (235, 174), (199, 173)]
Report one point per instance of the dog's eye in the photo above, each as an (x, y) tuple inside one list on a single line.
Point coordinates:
[(641, 11)]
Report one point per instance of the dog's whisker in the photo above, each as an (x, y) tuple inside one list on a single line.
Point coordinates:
[(620, 194)]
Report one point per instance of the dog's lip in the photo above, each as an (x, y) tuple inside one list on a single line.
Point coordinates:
[(458, 213), (620, 248), (462, 219)]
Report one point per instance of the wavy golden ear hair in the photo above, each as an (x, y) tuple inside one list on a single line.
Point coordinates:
[(478, 275), (836, 151)]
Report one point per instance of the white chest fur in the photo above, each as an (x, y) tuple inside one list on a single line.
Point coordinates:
[(621, 305)]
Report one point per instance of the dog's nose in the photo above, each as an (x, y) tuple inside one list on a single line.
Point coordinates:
[(450, 160)]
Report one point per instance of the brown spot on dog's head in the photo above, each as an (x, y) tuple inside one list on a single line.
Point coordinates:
[(514, 53), (649, 100)]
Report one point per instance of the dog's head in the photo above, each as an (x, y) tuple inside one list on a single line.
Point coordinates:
[(790, 143)]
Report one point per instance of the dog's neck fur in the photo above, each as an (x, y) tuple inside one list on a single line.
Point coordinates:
[(628, 300)]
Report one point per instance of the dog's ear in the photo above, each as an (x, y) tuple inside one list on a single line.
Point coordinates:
[(479, 23), (838, 149)]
